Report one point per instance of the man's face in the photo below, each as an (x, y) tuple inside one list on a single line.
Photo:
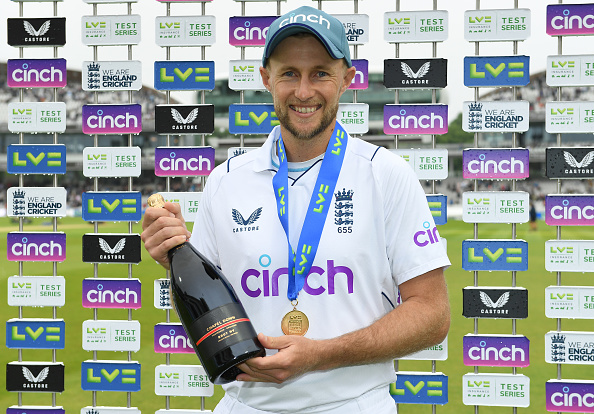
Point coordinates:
[(306, 84)]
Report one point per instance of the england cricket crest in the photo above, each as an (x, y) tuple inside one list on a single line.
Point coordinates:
[(343, 211)]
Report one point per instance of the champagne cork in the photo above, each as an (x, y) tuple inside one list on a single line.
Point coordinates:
[(156, 200)]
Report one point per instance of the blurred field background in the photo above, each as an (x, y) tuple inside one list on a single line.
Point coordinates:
[(74, 270)]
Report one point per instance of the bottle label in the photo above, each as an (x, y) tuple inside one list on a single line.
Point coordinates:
[(220, 328)]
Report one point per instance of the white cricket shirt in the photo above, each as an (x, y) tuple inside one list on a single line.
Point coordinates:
[(379, 233)]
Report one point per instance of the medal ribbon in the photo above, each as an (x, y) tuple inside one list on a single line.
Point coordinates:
[(317, 211)]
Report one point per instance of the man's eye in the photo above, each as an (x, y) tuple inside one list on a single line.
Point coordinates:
[(289, 73), (321, 74)]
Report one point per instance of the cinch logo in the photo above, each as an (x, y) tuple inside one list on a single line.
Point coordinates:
[(496, 351), (37, 247), (415, 119), (36, 73), (97, 376), (573, 397), (496, 167), (252, 118), (107, 206), (35, 335), (175, 163), (576, 19), (109, 119), (420, 389), (265, 283), (246, 224), (428, 236), (171, 338), (312, 18), (111, 293), (404, 121), (101, 121), (184, 161), (26, 75), (567, 212), (249, 31), (100, 295)]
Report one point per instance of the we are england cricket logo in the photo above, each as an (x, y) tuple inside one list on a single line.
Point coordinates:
[(343, 211), (246, 225)]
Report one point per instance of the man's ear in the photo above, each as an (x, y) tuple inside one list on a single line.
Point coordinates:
[(265, 77), (348, 78)]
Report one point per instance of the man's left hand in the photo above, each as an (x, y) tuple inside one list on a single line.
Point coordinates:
[(296, 355)]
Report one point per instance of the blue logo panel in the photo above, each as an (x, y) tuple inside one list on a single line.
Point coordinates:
[(496, 71), (35, 334), (29, 409), (438, 205), (112, 206), (507, 255), (173, 75), (110, 376), (36, 159), (420, 388), (252, 118)]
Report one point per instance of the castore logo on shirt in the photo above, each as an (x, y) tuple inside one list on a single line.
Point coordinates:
[(246, 225)]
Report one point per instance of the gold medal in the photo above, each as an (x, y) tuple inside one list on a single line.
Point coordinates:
[(295, 322)]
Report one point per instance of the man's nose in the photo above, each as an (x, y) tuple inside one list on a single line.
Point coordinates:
[(305, 89)]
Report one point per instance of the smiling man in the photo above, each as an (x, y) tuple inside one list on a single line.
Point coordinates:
[(327, 265)]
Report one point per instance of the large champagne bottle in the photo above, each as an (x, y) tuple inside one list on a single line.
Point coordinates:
[(210, 312)]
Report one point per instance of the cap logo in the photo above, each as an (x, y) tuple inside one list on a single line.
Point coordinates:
[(312, 18)]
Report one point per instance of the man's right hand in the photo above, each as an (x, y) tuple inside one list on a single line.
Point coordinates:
[(163, 229)]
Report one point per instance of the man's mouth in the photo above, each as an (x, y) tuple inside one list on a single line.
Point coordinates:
[(305, 109)]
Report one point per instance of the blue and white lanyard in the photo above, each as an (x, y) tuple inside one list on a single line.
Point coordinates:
[(319, 204)]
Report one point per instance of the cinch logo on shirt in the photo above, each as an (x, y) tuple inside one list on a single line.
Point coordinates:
[(426, 236), (265, 282)]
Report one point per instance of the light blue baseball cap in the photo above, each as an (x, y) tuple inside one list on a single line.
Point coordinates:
[(328, 29)]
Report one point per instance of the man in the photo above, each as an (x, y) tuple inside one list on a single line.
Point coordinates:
[(353, 216)]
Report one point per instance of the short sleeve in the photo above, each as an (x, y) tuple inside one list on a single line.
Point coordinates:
[(413, 243)]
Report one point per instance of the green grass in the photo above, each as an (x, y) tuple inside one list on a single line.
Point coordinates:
[(73, 398)]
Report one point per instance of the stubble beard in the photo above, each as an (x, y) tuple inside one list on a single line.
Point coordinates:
[(301, 134)]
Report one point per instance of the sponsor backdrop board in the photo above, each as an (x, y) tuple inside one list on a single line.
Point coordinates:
[(108, 119), (176, 75), (36, 159), (188, 202), (496, 350), (36, 247), (495, 116), (497, 390), (36, 202), (112, 75), (570, 396), (182, 380), (252, 118), (495, 206), (361, 79), (437, 352), (27, 32), (416, 26), (570, 162), (110, 30), (161, 297), (356, 27), (428, 164), (34, 409), (245, 75), (494, 71), (37, 117), (111, 293), (35, 377), (495, 302), (420, 388), (495, 163), (185, 31), (184, 119), (36, 291), (569, 255), (493, 255), (564, 347), (438, 205), (184, 161), (35, 333), (111, 162), (569, 209), (354, 117), (415, 73), (570, 70), (111, 335), (109, 410), (415, 119), (36, 73), (112, 206), (496, 25), (576, 302), (111, 248), (252, 30), (570, 19), (122, 376), (171, 338), (569, 117)]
